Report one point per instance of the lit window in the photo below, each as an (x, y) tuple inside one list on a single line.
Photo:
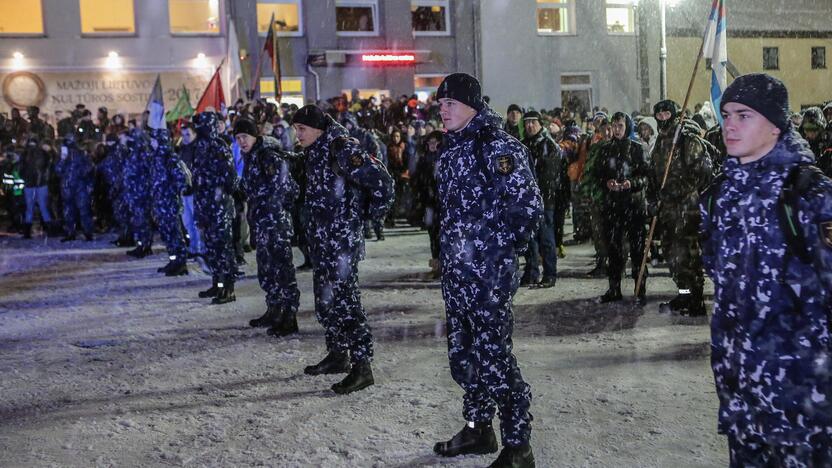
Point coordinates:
[(556, 16), (430, 17), (287, 17), (107, 17), (356, 17), (194, 16), (621, 17), (21, 17)]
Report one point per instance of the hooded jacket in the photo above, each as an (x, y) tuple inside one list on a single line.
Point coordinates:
[(770, 328)]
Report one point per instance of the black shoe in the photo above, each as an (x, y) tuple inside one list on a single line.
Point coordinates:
[(68, 238), (267, 319), (676, 305), (612, 295), (333, 363), (177, 268), (478, 440), (88, 237), (165, 268), (359, 378), (514, 457), (225, 294), (140, 251), (27, 231), (210, 292), (526, 280), (600, 271), (695, 308), (545, 283), (285, 326), (379, 237), (306, 266)]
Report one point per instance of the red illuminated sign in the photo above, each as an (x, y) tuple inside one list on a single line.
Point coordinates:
[(388, 58)]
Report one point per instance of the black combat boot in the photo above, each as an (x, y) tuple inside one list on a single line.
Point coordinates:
[(613, 294), (676, 305), (333, 363), (164, 269), (474, 438), (89, 237), (68, 238), (359, 378), (267, 319), (599, 271), (177, 268), (225, 293), (546, 282), (286, 324), (514, 457), (141, 251), (210, 292), (695, 307), (27, 231)]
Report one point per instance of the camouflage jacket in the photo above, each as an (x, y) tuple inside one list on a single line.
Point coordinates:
[(76, 171), (690, 171), (214, 176), (268, 184), (491, 203), (770, 328), (168, 178)]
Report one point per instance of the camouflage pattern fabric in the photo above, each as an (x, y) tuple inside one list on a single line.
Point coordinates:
[(167, 186), (491, 207), (76, 174), (112, 168), (137, 186)]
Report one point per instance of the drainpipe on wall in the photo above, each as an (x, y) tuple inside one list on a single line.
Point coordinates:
[(317, 82)]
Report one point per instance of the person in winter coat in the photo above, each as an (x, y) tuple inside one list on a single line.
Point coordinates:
[(770, 341), (76, 170), (35, 166)]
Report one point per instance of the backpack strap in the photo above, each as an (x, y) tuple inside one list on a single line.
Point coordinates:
[(799, 182)]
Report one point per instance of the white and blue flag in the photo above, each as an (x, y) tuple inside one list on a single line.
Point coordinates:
[(716, 49)]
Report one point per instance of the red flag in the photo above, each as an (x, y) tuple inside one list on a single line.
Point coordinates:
[(213, 95)]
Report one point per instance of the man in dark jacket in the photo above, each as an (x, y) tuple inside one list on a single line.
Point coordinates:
[(622, 173), (137, 192), (34, 170), (342, 182), (547, 165), (491, 208), (168, 182), (270, 192), (770, 351)]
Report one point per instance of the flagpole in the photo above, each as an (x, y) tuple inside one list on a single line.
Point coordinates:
[(676, 136), (259, 69)]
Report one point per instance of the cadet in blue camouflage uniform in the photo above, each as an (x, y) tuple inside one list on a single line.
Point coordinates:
[(214, 182), (168, 183), (75, 168), (491, 206), (344, 187), (113, 170), (770, 329), (271, 192), (137, 185)]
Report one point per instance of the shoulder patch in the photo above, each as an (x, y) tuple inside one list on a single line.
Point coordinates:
[(505, 164), (826, 233), (356, 160)]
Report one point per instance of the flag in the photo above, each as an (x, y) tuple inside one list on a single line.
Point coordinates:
[(235, 68), (716, 49), (273, 49), (213, 95), (156, 106), (182, 109)]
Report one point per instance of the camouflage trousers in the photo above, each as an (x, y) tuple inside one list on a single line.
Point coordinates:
[(167, 214), (678, 229), (121, 212), (77, 208), (140, 220), (480, 323), (338, 306), (219, 248), (275, 270), (746, 453)]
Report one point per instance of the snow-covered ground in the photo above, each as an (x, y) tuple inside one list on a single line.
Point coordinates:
[(105, 362)]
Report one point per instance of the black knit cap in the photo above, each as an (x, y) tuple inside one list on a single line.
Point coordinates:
[(311, 116), (246, 126), (763, 93), (514, 107), (462, 87), (531, 115)]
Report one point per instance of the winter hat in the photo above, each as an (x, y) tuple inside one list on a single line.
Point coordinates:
[(462, 87), (311, 116), (245, 126), (763, 93), (531, 115), (514, 107)]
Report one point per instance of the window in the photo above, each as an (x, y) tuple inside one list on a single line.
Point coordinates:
[(430, 17), (107, 17), (818, 58), (194, 16), (556, 17), (287, 17), (291, 87), (425, 85), (621, 17), (21, 17), (771, 58), (356, 17), (576, 92)]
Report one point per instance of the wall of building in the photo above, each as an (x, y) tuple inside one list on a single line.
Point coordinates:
[(806, 86), (525, 68)]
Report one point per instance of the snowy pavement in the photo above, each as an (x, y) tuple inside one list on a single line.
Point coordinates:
[(105, 362)]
